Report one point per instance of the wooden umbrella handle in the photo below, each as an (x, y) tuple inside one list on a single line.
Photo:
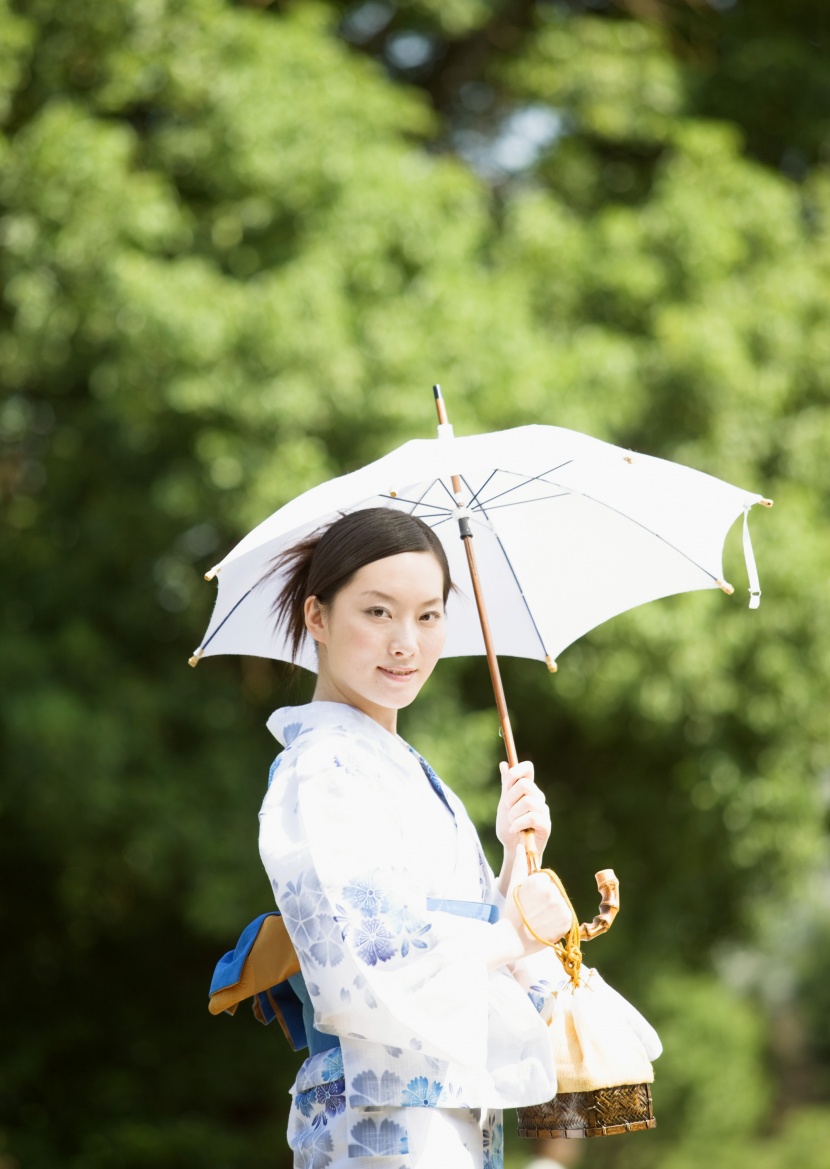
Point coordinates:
[(609, 888)]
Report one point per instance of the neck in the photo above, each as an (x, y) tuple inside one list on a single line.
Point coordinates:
[(328, 691)]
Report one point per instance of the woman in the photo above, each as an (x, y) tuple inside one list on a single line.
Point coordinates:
[(411, 952)]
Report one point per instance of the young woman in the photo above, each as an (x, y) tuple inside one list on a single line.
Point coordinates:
[(413, 956)]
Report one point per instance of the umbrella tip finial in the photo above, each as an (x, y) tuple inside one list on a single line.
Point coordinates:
[(194, 661), (726, 586), (551, 664), (441, 409), (767, 502)]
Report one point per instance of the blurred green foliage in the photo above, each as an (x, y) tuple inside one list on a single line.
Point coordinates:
[(239, 243)]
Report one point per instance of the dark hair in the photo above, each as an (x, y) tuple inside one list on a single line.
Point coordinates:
[(324, 563)]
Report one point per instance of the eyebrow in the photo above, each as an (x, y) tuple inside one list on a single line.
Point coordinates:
[(386, 597)]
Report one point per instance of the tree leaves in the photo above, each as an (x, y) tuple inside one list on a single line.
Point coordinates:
[(236, 254)]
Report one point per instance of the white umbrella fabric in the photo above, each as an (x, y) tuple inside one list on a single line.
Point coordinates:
[(569, 531)]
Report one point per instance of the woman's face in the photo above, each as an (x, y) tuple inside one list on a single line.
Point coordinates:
[(381, 636)]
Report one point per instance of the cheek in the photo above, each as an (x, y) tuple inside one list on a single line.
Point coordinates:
[(359, 642), (434, 643)]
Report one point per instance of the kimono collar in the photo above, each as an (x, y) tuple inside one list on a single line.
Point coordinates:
[(288, 722)]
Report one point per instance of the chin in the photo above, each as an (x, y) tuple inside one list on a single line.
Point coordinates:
[(397, 701)]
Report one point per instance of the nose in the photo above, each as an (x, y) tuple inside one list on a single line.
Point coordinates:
[(403, 643)]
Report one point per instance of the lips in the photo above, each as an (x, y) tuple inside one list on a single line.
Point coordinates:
[(398, 675)]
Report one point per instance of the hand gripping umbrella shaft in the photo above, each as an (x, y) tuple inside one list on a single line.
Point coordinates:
[(606, 880)]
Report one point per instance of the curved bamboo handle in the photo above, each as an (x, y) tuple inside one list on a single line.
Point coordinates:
[(609, 888), (569, 952)]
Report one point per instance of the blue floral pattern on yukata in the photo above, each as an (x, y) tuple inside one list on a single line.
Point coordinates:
[(331, 1097), (317, 1143), (422, 1093), (313, 1146), (380, 926), (377, 1138), (369, 1091), (493, 1140)]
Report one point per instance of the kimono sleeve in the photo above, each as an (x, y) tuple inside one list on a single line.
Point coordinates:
[(379, 966)]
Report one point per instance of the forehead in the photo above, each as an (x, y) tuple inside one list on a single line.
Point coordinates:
[(407, 574)]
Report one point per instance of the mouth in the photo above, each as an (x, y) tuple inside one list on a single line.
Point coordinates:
[(398, 674)]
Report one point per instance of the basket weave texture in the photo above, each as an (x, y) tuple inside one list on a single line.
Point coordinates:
[(604, 1112)]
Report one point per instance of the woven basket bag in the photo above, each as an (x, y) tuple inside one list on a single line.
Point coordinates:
[(603, 1069)]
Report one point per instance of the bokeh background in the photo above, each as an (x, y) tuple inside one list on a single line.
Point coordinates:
[(239, 243)]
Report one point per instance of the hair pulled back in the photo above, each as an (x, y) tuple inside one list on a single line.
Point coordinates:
[(324, 563)]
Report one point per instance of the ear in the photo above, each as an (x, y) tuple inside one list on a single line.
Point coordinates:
[(315, 619)]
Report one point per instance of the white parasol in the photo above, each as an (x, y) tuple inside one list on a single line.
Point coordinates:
[(569, 531)]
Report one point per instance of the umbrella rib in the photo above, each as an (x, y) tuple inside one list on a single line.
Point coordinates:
[(474, 498), (632, 520), (452, 497), (524, 598), (419, 502), (514, 573), (524, 482), (593, 499), (230, 613), (521, 502)]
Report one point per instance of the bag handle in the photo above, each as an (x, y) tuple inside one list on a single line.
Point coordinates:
[(569, 952)]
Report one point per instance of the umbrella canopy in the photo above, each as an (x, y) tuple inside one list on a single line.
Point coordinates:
[(569, 531)]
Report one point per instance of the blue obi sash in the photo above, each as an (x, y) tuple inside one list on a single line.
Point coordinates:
[(263, 966)]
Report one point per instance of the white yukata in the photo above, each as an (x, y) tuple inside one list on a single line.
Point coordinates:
[(376, 868)]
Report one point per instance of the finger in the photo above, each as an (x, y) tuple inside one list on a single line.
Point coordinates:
[(525, 789), (522, 804), (538, 827), (522, 770), (536, 818), (526, 806), (531, 820)]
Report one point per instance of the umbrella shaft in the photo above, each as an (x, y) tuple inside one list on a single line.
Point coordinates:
[(495, 678), (492, 660)]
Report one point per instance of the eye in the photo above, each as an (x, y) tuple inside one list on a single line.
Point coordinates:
[(432, 616), (377, 611)]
